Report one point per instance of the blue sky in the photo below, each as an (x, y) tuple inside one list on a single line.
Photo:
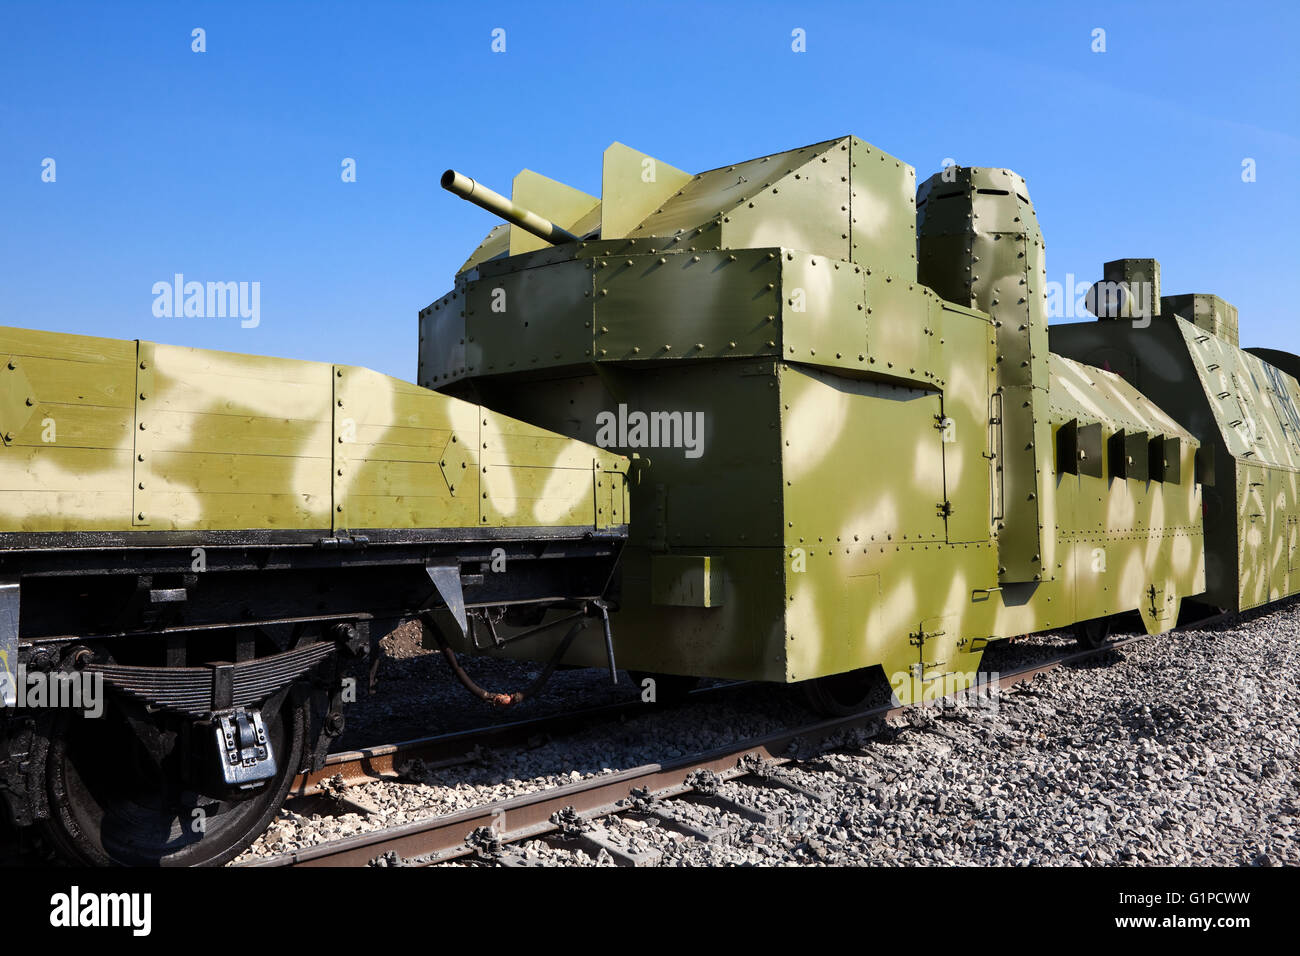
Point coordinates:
[(225, 165)]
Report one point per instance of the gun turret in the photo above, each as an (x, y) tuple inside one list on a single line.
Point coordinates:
[(499, 205)]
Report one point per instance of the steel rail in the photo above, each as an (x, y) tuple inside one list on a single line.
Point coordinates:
[(442, 838), (381, 762)]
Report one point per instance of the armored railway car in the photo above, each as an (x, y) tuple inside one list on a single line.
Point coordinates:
[(891, 467), (197, 543), (1243, 406)]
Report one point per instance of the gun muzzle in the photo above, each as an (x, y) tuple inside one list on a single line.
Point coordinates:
[(499, 205)]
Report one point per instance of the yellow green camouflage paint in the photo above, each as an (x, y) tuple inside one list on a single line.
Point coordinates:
[(879, 480), (108, 435), (1245, 411)]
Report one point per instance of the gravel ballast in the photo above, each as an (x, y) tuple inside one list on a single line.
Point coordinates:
[(1181, 750)]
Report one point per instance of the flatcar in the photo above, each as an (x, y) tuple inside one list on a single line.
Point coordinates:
[(196, 547)]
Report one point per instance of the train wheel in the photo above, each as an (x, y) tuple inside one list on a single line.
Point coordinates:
[(132, 789), (1092, 634), (669, 688), (840, 695)]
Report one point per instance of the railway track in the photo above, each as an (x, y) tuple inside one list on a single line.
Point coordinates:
[(355, 767), (653, 791)]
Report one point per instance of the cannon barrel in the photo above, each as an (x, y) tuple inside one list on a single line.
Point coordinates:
[(499, 205)]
